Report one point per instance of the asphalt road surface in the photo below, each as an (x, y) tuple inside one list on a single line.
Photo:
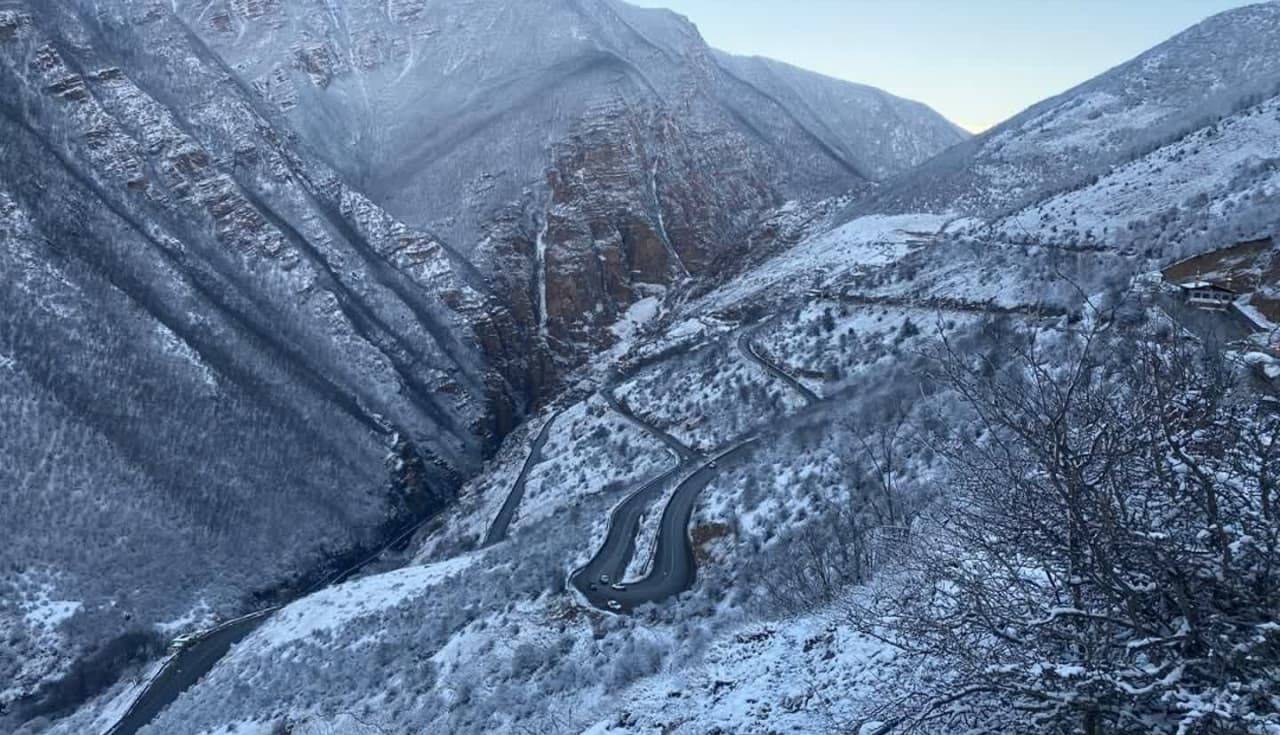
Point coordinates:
[(681, 449), (184, 670), (197, 658), (498, 530), (673, 569), (620, 541), (748, 348)]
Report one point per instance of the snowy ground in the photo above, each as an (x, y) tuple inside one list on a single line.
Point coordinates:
[(830, 258), (31, 614), (1212, 170), (336, 608), (828, 342), (709, 396), (800, 675), (591, 450)]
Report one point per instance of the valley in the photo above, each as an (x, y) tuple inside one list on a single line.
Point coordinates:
[(475, 366)]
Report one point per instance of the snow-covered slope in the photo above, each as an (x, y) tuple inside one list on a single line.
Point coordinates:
[(1216, 186), (209, 347), (278, 273), (1220, 66), (580, 153), (879, 133), (443, 111), (280, 268)]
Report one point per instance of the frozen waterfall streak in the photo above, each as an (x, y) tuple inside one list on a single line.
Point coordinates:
[(662, 221), (540, 267)]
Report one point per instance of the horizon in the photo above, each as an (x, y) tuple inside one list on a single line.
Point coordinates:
[(1013, 55)]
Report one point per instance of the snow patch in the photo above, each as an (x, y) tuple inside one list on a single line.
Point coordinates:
[(333, 608), (42, 612)]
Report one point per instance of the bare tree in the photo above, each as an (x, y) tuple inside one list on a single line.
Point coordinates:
[(1106, 561)]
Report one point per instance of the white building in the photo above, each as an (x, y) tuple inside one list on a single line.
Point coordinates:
[(1207, 295)]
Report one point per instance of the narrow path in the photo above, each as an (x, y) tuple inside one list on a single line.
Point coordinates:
[(498, 530), (184, 669), (748, 348), (198, 657), (682, 450)]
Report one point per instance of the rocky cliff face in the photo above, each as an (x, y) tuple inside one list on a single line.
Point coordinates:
[(209, 342), (578, 152), (256, 252)]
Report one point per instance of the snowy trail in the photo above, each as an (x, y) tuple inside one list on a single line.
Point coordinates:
[(498, 530), (747, 346)]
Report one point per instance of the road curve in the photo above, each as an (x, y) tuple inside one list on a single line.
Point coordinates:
[(620, 540), (186, 668), (682, 450), (748, 348), (498, 529), (673, 569)]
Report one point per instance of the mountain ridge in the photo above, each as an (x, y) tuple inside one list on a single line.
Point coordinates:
[(268, 367), (1169, 90)]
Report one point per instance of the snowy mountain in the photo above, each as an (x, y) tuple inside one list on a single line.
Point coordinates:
[(660, 390), (583, 154), (881, 135), (211, 347), (1216, 68), (1216, 185), (281, 274), (445, 111)]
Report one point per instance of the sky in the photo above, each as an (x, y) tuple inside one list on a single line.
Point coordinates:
[(978, 62)]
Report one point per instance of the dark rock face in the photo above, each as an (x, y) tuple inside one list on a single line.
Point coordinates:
[(615, 134), (635, 210), (208, 339)]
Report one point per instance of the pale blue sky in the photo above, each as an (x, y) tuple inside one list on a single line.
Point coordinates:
[(976, 61)]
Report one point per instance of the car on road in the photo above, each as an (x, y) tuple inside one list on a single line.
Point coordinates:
[(614, 605), (712, 465), (618, 587), (604, 579), (183, 641)]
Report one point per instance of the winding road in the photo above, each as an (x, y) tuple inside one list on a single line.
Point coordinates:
[(682, 450), (747, 345), (502, 522), (184, 669), (205, 649), (673, 568)]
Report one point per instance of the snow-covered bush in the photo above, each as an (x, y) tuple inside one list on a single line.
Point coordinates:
[(1107, 558)]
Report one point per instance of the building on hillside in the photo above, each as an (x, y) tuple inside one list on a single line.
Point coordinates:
[(1208, 295)]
